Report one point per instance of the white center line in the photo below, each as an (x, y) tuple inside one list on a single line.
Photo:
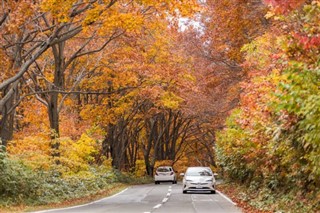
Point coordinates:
[(157, 206), (164, 200)]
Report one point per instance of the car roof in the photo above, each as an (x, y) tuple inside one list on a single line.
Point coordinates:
[(198, 167), (207, 167)]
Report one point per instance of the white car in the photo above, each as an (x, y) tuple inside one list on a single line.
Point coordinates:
[(165, 174), (198, 179)]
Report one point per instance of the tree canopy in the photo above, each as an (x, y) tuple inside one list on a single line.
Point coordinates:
[(88, 86)]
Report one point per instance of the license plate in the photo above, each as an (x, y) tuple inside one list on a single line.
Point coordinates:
[(198, 187)]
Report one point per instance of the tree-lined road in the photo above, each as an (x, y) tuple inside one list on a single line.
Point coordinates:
[(163, 198)]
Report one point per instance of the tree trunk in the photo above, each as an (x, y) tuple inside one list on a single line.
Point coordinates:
[(7, 103), (53, 99), (7, 120)]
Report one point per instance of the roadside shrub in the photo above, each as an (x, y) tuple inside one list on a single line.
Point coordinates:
[(130, 178), (17, 181), (19, 184), (77, 156), (34, 151)]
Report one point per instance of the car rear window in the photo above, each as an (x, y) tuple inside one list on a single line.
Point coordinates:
[(164, 169)]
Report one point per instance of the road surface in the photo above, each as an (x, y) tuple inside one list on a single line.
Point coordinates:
[(163, 198)]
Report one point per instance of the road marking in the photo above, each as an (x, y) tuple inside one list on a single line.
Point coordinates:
[(157, 206), (87, 204), (164, 200), (225, 197)]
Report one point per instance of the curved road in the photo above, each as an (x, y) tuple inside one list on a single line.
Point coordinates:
[(163, 198)]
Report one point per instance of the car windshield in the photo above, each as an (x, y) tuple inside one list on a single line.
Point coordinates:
[(163, 169), (199, 172)]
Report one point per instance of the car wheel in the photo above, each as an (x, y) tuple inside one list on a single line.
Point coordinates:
[(184, 192), (213, 192)]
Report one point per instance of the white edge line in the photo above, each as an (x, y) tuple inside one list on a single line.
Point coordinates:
[(225, 197), (87, 204)]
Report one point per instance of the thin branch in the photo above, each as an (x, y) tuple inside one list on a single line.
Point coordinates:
[(26, 65), (81, 76), (78, 54), (3, 19), (81, 92), (77, 12)]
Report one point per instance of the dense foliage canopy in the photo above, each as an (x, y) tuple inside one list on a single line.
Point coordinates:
[(90, 90)]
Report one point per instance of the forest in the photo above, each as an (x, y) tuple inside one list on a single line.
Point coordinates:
[(98, 93)]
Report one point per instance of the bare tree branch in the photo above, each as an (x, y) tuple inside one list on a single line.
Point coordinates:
[(3, 18)]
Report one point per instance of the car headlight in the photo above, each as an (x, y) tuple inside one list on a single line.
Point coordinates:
[(209, 180)]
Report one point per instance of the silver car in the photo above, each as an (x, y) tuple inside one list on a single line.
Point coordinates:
[(198, 179)]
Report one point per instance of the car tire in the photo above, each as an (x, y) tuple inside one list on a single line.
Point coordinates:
[(184, 192), (213, 192)]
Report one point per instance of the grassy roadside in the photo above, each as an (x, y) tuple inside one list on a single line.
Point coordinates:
[(23, 188), (264, 201), (85, 195), (108, 191), (238, 196)]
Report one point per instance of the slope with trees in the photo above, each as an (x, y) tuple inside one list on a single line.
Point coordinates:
[(271, 141)]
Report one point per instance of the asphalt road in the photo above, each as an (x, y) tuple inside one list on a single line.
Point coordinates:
[(163, 198)]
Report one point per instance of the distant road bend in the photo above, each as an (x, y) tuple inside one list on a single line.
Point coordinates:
[(163, 198)]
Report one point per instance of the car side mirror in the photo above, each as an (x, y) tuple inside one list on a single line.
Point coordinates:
[(182, 174)]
